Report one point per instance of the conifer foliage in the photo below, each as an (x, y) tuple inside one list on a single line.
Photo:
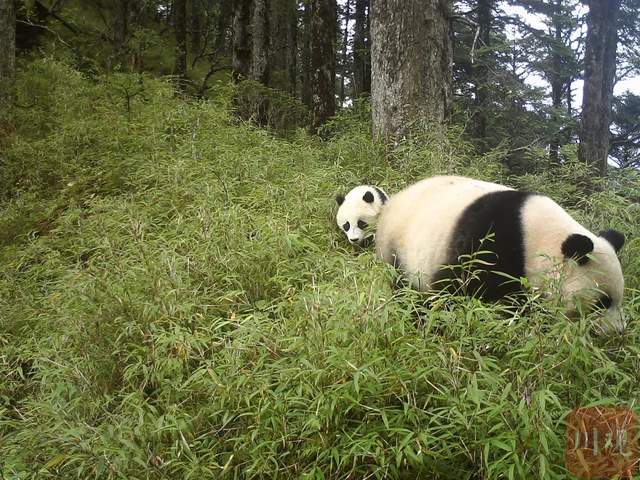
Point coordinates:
[(518, 75)]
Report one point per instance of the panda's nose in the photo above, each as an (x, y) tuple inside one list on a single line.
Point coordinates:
[(616, 323), (354, 240), (621, 327)]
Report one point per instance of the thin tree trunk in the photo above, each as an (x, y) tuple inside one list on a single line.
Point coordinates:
[(223, 22), (260, 33), (121, 30), (361, 51), (281, 37), (323, 59), (196, 14), (367, 50), (278, 44), (180, 19), (561, 76), (241, 56), (7, 51), (292, 46), (345, 42), (599, 79), (306, 55), (411, 60), (557, 81), (481, 68)]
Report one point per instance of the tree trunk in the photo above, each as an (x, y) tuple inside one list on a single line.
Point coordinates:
[(562, 72), (599, 79), (361, 50), (260, 34), (241, 56), (345, 43), (481, 71), (557, 80), (223, 22), (195, 15), (292, 46), (411, 60), (180, 19), (367, 50), (8, 50), (282, 24), (121, 30), (278, 44), (306, 54), (323, 59)]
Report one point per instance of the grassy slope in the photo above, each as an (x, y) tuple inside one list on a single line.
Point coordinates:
[(177, 303)]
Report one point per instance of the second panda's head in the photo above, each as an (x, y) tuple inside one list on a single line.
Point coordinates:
[(594, 281), (358, 211)]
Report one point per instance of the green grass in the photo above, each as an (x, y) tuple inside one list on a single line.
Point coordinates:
[(176, 302)]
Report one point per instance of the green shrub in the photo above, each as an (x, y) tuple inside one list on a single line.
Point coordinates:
[(269, 107), (177, 302)]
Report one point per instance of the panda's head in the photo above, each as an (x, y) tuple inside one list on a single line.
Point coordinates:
[(593, 279), (358, 211)]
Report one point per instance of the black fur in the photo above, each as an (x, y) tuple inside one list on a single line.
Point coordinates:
[(339, 199), (492, 223), (367, 241), (383, 197), (604, 302), (577, 246), (395, 260), (615, 238), (368, 197)]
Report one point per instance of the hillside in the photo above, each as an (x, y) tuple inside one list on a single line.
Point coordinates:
[(177, 302)]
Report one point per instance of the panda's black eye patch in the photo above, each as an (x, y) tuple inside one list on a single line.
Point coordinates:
[(604, 302), (362, 225), (346, 226)]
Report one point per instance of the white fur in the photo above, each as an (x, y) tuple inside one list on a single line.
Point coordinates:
[(417, 224), (546, 226), (354, 208)]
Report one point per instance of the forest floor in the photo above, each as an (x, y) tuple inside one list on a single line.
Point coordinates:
[(176, 301)]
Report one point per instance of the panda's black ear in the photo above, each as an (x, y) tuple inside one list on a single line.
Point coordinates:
[(383, 197), (577, 246), (339, 199), (368, 197), (615, 238)]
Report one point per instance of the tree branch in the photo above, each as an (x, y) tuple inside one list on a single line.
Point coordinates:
[(52, 13)]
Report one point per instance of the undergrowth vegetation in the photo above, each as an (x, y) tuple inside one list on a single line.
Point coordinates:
[(176, 302)]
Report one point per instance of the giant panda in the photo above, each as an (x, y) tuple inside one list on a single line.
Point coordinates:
[(441, 221), (357, 212)]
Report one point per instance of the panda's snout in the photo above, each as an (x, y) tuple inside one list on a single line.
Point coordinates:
[(355, 236), (614, 321)]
